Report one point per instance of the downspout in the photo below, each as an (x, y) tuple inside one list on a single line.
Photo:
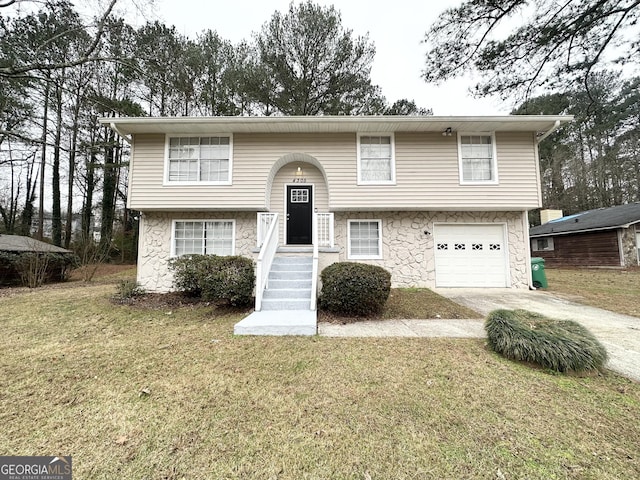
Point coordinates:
[(126, 137), (550, 131)]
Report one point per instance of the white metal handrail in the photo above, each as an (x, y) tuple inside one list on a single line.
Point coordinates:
[(314, 268), (265, 259), (264, 222)]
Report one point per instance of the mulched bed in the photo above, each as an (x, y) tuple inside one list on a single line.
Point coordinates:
[(173, 300)]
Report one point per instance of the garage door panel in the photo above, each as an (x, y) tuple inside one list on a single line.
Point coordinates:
[(470, 256)]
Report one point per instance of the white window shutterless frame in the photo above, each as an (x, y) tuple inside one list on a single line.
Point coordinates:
[(204, 237), (202, 160), (477, 158), (364, 239), (376, 159)]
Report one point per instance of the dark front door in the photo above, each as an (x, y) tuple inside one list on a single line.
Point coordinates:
[(299, 212)]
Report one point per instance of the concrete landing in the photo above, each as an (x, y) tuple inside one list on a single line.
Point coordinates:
[(278, 322)]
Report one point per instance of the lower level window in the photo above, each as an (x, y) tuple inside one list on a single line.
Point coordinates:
[(203, 237), (365, 239), (540, 244)]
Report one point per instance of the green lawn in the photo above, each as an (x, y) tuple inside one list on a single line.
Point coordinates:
[(170, 393)]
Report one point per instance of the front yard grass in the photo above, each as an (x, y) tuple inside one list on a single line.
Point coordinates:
[(611, 289), (170, 393), (411, 303)]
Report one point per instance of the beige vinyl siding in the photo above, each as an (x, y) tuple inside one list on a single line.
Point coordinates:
[(336, 153), (428, 178), (253, 158), (285, 176), (147, 191), (427, 175)]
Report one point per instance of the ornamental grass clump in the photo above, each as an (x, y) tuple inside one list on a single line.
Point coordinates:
[(354, 289), (560, 345)]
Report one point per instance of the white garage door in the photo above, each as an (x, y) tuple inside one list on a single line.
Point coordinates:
[(470, 255)]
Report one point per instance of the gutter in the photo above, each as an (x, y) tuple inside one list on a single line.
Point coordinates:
[(126, 137), (557, 234), (556, 125)]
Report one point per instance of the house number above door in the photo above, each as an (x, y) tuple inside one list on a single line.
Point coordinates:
[(299, 180)]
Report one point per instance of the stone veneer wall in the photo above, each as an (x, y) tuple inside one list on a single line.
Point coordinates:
[(408, 252), (629, 247), (155, 243)]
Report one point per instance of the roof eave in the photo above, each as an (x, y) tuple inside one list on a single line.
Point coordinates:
[(537, 123), (586, 230)]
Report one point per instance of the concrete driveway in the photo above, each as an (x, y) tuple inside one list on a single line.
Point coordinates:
[(620, 334)]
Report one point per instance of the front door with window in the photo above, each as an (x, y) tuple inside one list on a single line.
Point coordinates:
[(299, 214)]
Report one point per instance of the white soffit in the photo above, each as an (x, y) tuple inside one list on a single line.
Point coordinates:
[(333, 124)]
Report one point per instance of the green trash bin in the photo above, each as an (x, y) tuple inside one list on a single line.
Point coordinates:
[(537, 273)]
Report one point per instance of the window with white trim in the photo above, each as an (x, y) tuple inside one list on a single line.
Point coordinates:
[(477, 156), (365, 238), (199, 159), (376, 159), (541, 244), (207, 237)]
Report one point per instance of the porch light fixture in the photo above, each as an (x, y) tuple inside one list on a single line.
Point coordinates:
[(299, 172), (447, 132)]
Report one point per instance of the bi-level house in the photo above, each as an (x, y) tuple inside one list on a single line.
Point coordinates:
[(437, 201)]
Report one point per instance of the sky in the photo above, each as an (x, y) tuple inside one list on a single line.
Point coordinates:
[(396, 28)]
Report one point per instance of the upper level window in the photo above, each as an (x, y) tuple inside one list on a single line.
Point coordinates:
[(477, 158), (376, 159), (203, 237), (199, 159)]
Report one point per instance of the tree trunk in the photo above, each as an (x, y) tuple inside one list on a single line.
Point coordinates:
[(108, 191), (72, 170), (87, 206), (40, 232), (9, 215), (56, 213), (27, 212)]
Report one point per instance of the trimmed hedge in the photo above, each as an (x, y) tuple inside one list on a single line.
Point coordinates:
[(560, 345), (354, 289), (215, 278)]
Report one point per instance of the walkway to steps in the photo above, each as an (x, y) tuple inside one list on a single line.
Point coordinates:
[(286, 302)]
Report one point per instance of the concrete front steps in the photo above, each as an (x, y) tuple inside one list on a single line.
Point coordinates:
[(286, 302)]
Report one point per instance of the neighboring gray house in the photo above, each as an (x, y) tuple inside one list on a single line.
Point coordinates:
[(19, 243), (595, 238), (438, 201), (15, 245)]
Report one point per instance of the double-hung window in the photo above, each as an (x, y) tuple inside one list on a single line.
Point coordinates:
[(199, 159), (203, 237), (376, 159), (477, 158), (364, 239)]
